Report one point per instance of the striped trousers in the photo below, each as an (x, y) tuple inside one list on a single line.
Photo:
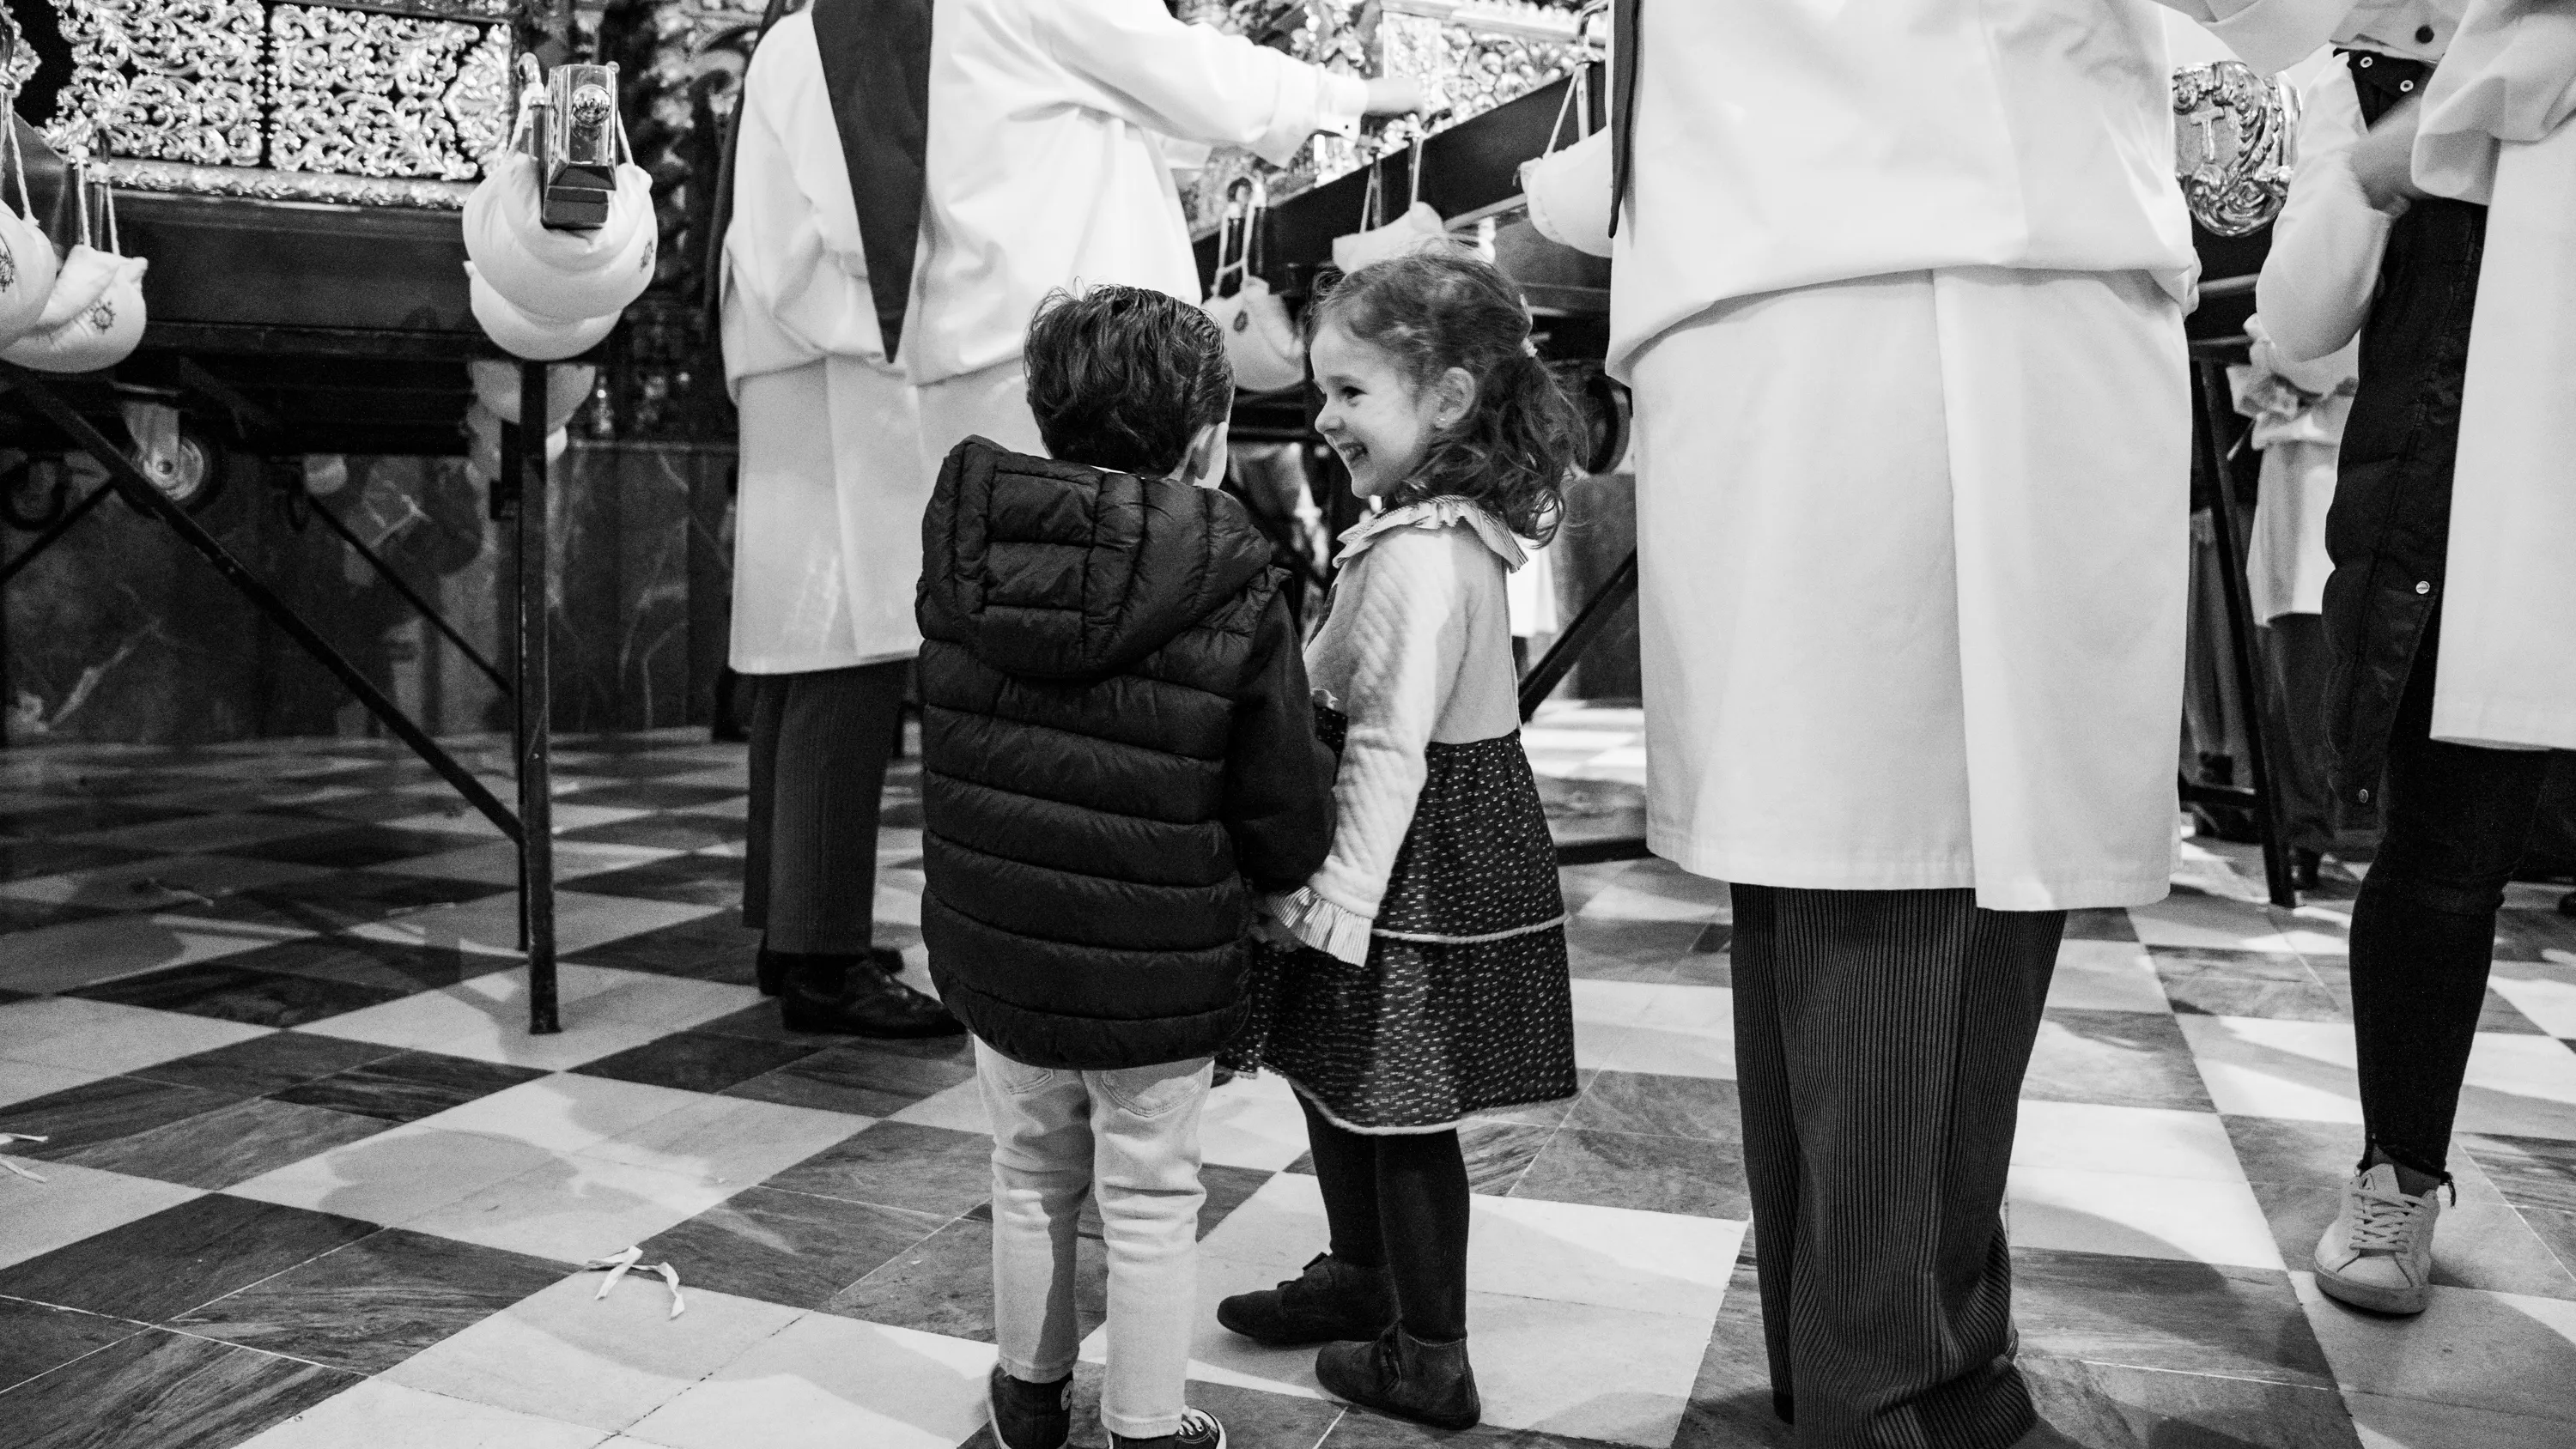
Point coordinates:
[(819, 744), (1880, 1041)]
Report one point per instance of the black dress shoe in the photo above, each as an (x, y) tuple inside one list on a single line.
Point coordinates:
[(856, 996), (1398, 1374), (1030, 1416), (771, 966), (1331, 1301)]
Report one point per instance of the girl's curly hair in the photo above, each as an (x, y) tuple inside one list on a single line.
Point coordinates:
[(1435, 310)]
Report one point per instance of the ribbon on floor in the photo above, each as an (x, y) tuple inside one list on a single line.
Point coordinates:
[(618, 1265), (8, 1137)]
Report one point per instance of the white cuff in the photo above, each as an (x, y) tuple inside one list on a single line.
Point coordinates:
[(1317, 922)]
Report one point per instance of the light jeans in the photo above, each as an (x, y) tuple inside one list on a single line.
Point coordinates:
[(1132, 1137)]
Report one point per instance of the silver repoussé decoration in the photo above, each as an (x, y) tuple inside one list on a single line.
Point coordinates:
[(173, 79), (2235, 145), (381, 95)]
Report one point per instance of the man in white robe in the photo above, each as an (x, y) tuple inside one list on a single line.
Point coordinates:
[(1899, 288), (826, 547)]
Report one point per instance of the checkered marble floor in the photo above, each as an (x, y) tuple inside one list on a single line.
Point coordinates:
[(310, 1183)]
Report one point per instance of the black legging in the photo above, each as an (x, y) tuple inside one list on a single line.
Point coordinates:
[(2423, 930), (1400, 1201)]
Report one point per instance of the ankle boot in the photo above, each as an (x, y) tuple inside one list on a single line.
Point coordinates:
[(1398, 1374), (1331, 1301), (855, 996), (771, 968)]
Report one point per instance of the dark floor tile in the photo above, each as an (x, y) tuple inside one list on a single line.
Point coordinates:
[(1730, 1402), (78, 1118), (942, 1284), (2115, 1058), (698, 880), (161, 1390), (2101, 925), (900, 1164), (375, 1302), (2531, 1172), (1663, 1106), (635, 794), (384, 966), (408, 1086), (342, 899), (662, 832), (266, 1064), (1655, 1174), (790, 1247), (710, 948), (159, 1266), (21, 859), (1226, 1189), (867, 1078), (2314, 1155), (1361, 1429), (2556, 1231), (38, 1338), (2273, 985), (1714, 938), (17, 915), (230, 1144), (78, 815), (355, 848), (1499, 1152), (1606, 950), (2153, 1313), (697, 1061), (228, 992), (2114, 1406)]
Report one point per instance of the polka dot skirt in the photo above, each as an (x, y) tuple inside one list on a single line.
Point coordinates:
[(1464, 1004)]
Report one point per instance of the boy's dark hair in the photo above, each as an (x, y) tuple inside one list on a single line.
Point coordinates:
[(1121, 378), (1444, 308)]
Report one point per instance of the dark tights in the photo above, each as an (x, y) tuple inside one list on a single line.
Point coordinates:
[(2423, 929), (1399, 1201)]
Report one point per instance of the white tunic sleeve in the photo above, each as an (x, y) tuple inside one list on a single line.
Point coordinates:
[(2326, 245), (2272, 35), (1193, 83), (1387, 660)]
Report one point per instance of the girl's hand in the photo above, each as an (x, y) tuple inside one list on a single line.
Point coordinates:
[(2383, 160), (1267, 930)]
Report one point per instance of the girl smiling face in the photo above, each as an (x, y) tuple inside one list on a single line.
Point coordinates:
[(1373, 415)]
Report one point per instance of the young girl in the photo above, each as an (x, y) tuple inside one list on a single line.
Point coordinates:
[(1428, 979)]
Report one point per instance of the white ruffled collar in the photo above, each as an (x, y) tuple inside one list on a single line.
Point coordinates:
[(1443, 512)]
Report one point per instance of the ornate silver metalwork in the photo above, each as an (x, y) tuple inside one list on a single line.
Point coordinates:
[(266, 185), (377, 95), (2235, 145), (173, 79)]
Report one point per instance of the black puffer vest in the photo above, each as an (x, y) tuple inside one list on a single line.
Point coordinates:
[(1118, 745), (2390, 525)]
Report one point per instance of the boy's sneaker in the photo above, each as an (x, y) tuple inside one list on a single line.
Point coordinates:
[(2378, 1252), (1030, 1416), (1199, 1430)]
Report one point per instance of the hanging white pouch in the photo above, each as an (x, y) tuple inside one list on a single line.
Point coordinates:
[(94, 317), (27, 260), (496, 387), (564, 276), (1260, 341), (538, 339), (1418, 229), (1569, 190)]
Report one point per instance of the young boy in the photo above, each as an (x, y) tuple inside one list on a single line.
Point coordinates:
[(1118, 751)]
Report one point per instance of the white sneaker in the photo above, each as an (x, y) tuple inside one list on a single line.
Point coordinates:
[(2378, 1252)]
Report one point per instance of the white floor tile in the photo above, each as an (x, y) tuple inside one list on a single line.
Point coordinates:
[(1249, 1122), (73, 1203), (2545, 991), (573, 1209), (398, 1175), (1605, 1256), (194, 833), (25, 1081), (961, 1109), (565, 1354), (84, 953), (727, 1140), (1632, 1026), (2140, 1216), (833, 1383), (487, 1018), (497, 862), (491, 925), (2105, 976), (2226, 925), (2518, 1085), (459, 818), (1623, 900), (564, 1113), (2149, 1141), (2501, 1352), (103, 1037), (2385, 1423), (381, 1415), (158, 885)]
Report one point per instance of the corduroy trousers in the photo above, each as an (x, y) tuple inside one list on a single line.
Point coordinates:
[(819, 745), (1881, 1038)]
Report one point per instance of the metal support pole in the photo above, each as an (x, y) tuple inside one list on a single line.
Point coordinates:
[(137, 489), (536, 803), (1595, 616), (427, 610), (2217, 405)]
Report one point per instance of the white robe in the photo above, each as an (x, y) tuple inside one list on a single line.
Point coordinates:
[(827, 524), (1899, 288)]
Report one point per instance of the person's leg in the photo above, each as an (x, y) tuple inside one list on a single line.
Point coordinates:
[(768, 696), (1345, 1292), (1422, 1200), (2294, 660), (835, 729), (1772, 1169), (2423, 930), (1346, 1174), (1145, 1124), (1042, 1165), (1905, 1022)]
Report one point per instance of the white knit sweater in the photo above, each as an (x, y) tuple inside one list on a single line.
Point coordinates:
[(1418, 648)]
